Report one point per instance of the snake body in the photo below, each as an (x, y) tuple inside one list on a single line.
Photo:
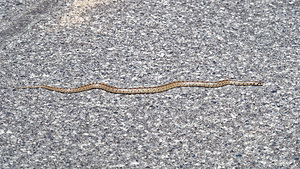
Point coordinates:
[(148, 90)]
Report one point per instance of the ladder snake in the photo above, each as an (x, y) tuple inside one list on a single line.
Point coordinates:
[(148, 90)]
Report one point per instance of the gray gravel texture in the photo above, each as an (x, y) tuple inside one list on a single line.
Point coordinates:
[(145, 43)]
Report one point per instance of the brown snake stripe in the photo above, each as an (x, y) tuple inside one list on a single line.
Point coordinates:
[(147, 90)]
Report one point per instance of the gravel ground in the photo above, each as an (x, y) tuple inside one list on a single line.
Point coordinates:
[(145, 43)]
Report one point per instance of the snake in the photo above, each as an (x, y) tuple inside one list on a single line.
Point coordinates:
[(147, 90)]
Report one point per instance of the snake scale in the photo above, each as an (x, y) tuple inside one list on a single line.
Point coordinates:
[(148, 90)]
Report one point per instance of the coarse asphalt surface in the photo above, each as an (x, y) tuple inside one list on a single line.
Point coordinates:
[(147, 43)]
